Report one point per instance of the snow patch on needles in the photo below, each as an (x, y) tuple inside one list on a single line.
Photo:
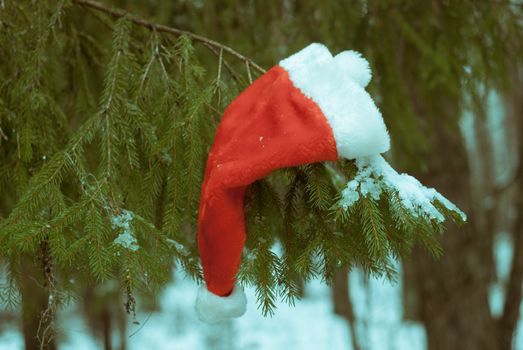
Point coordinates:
[(179, 247), (125, 239), (376, 176)]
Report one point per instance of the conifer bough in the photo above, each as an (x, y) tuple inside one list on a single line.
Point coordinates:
[(103, 154)]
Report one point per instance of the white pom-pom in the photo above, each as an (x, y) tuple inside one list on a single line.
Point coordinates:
[(352, 63), (212, 308)]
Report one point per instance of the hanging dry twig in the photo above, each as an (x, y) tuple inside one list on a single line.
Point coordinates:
[(46, 326)]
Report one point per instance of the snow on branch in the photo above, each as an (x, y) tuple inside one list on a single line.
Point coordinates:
[(375, 177), (126, 238)]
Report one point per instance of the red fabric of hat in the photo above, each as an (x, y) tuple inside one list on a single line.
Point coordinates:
[(311, 107)]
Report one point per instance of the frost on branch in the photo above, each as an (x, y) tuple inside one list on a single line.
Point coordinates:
[(387, 212), (375, 176)]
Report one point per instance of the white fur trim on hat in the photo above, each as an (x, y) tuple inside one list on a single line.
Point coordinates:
[(212, 308), (302, 60), (336, 85)]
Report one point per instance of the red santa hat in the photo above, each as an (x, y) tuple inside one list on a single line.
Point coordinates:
[(311, 107)]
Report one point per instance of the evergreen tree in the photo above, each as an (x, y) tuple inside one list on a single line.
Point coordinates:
[(106, 120)]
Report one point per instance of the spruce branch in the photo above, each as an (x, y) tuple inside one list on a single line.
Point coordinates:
[(117, 12)]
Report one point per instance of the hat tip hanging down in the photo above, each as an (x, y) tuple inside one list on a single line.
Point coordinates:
[(212, 308), (311, 107)]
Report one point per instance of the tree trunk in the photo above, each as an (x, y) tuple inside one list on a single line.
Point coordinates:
[(453, 291), (105, 318), (508, 321), (342, 303)]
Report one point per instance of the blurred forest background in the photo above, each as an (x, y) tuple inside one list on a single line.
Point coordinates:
[(448, 79)]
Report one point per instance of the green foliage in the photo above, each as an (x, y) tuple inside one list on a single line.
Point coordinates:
[(128, 152), (101, 116)]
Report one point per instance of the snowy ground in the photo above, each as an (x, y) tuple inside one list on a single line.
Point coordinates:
[(309, 325)]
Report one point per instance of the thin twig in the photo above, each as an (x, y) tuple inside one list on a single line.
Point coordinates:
[(220, 61), (116, 12), (231, 70), (248, 66), (3, 135)]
